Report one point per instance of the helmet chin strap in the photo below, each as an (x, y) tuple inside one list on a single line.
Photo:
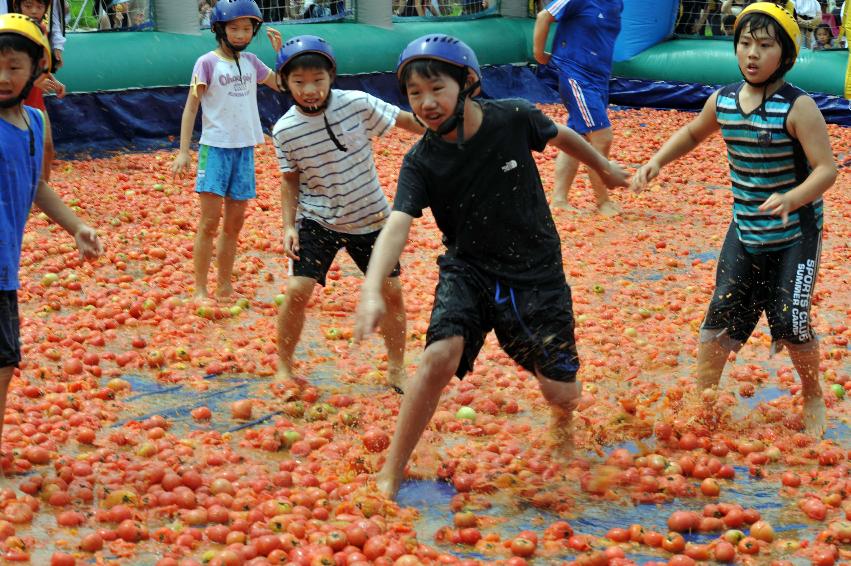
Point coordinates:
[(456, 121), (317, 110)]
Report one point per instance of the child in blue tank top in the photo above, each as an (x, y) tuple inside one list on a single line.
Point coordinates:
[(781, 164), (24, 55)]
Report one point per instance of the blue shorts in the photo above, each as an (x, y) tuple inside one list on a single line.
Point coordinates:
[(226, 171), (586, 103)]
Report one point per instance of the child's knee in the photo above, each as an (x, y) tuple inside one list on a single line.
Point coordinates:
[(440, 359), (561, 394), (208, 226)]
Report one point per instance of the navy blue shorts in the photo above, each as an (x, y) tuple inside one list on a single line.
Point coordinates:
[(318, 246), (533, 326), (10, 330), (586, 102), (780, 283)]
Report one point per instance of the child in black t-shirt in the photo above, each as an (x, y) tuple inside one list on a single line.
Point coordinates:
[(502, 269)]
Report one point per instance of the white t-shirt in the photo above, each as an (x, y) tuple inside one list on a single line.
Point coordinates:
[(338, 189), (229, 113)]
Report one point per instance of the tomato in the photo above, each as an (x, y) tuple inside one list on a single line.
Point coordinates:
[(710, 487), (242, 409), (91, 543), (375, 546), (748, 545), (62, 559), (70, 519), (790, 479), (674, 543), (683, 521), (375, 440), (681, 560), (618, 535), (763, 531), (523, 547), (813, 508), (724, 552)]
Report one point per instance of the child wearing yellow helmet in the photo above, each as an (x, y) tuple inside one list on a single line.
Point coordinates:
[(781, 164), (24, 57)]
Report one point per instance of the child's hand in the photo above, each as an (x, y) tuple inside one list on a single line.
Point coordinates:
[(644, 175), (779, 205), (543, 58), (614, 176), (87, 242), (181, 164), (371, 310), (291, 243), (275, 38)]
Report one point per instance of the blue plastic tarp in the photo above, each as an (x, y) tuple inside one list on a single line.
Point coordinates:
[(145, 119)]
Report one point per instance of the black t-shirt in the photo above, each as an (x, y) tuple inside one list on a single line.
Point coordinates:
[(487, 198)]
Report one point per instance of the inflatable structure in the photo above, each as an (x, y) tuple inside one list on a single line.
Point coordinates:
[(128, 88)]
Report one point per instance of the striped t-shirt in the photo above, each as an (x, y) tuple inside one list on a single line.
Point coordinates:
[(338, 189), (765, 159)]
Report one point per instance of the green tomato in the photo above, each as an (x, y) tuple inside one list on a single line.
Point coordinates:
[(838, 390), (466, 413)]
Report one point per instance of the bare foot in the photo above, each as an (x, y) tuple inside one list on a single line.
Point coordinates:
[(396, 378), (388, 486), (564, 205), (609, 209), (815, 421), (284, 373), (224, 291), (200, 295)]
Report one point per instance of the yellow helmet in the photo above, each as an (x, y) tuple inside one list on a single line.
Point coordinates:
[(29, 28), (780, 15)]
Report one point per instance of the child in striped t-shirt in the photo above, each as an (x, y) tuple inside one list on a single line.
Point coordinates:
[(330, 194), (781, 164)]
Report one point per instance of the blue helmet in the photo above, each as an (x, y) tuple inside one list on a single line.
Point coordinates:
[(229, 10), (302, 44), (442, 48)]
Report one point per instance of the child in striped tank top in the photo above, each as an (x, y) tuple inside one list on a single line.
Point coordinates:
[(781, 164)]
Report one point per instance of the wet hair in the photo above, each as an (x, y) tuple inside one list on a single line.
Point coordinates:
[(756, 21), (432, 68), (307, 61), (19, 43), (16, 4)]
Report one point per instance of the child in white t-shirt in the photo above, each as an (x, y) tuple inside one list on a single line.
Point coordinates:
[(224, 84)]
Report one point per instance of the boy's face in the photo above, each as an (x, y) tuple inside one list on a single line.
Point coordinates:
[(240, 31), (822, 35), (33, 8), (758, 54), (309, 87), (432, 99), (16, 68)]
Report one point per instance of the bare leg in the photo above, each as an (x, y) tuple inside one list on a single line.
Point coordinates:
[(602, 142), (805, 358), (291, 322), (711, 358), (226, 249), (563, 399), (5, 379), (393, 329), (439, 363), (202, 252), (565, 172)]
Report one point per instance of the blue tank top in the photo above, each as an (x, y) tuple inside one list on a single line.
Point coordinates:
[(20, 172), (585, 37), (765, 159)]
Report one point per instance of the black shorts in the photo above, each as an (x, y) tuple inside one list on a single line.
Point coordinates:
[(780, 283), (533, 326), (318, 246), (10, 330)]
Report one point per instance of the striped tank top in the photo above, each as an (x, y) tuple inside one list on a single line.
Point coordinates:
[(765, 159)]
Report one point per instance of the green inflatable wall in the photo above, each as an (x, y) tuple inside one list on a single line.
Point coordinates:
[(126, 60)]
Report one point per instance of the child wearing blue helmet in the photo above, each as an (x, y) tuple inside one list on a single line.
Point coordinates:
[(224, 85), (330, 194), (502, 269)]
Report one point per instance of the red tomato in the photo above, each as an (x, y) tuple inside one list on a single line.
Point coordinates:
[(62, 559), (375, 440), (724, 552), (523, 547)]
